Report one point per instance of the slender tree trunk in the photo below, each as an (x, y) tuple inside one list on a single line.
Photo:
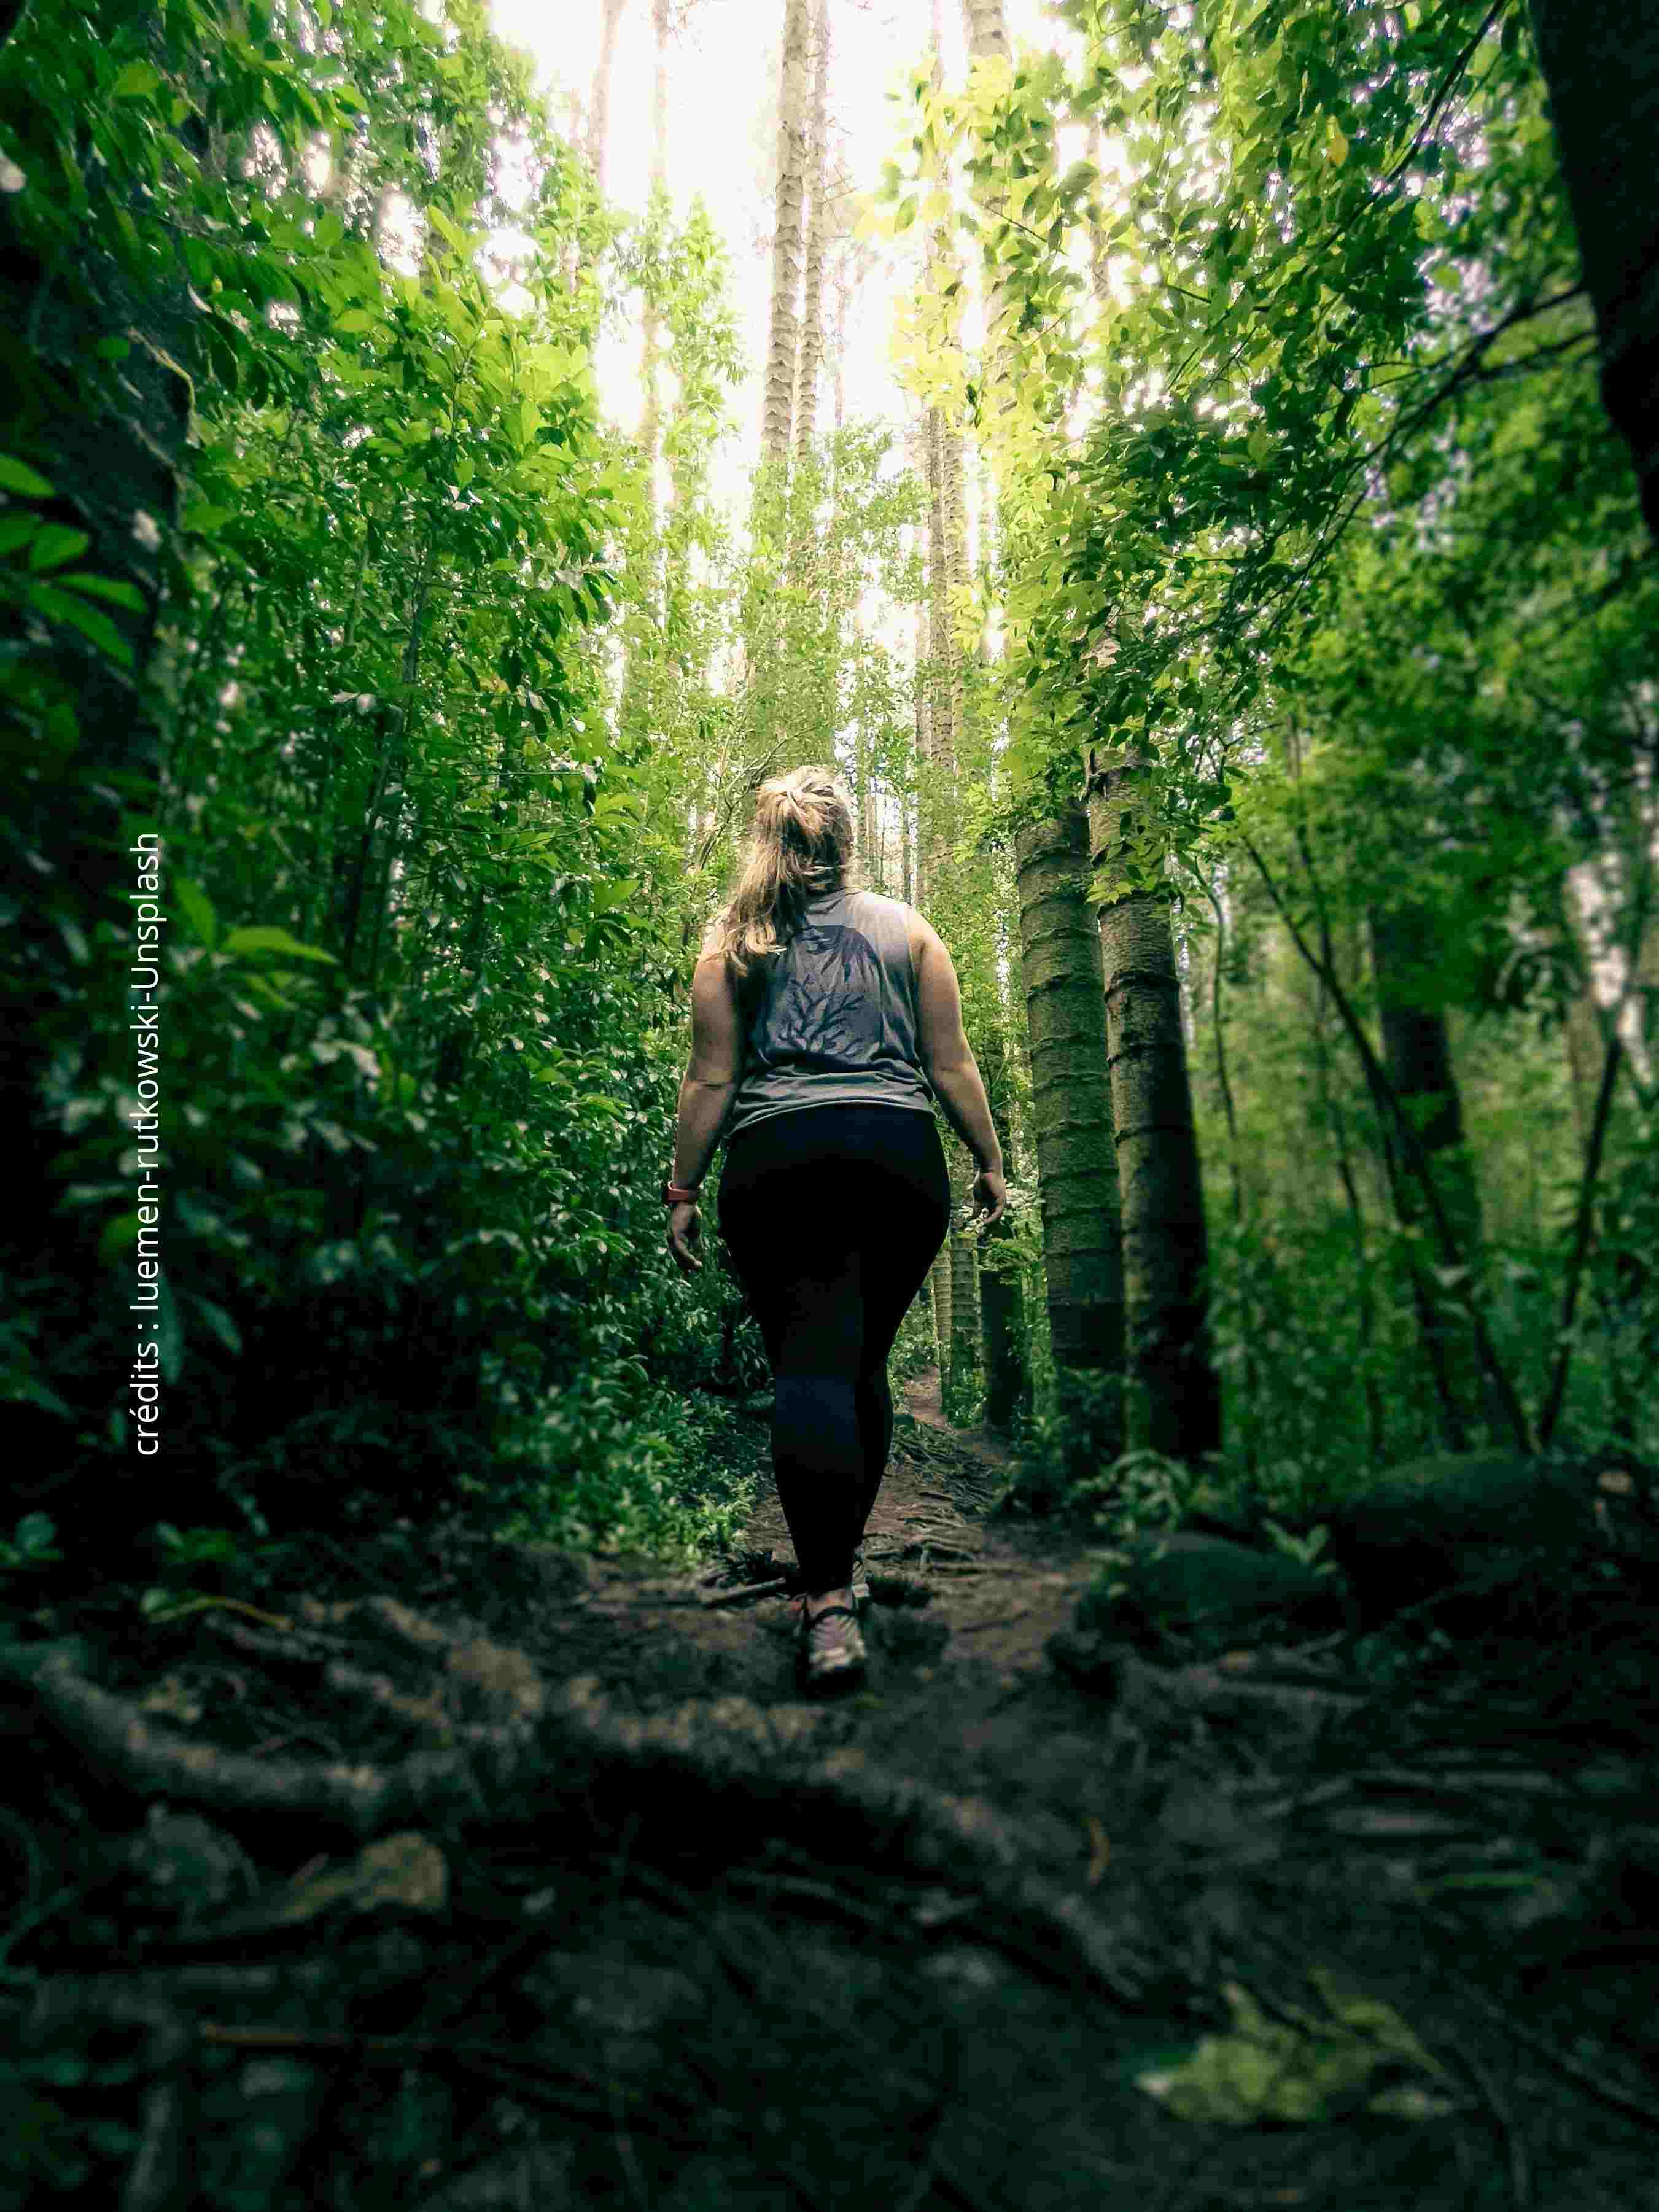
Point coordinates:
[(1072, 1115), (987, 30), (1166, 1239), (1417, 1053), (783, 343), (818, 240), (1002, 1296), (1337, 1120), (651, 322), (598, 106)]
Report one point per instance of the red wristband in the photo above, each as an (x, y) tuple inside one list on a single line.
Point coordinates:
[(675, 1194)]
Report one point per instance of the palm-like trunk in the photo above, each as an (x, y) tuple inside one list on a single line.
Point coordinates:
[(651, 322), (1001, 1295), (784, 340), (1166, 1239), (598, 106), (818, 240), (1072, 1113), (987, 30)]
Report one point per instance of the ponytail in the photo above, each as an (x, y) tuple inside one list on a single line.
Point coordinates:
[(801, 846)]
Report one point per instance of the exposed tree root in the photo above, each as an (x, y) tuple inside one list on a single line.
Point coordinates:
[(721, 1775)]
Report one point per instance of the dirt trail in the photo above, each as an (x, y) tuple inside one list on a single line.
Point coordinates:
[(490, 1876), (960, 1691)]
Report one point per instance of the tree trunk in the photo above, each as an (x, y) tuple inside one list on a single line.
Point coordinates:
[(1600, 61), (1417, 1053), (598, 106), (1072, 1113), (1001, 1296), (1165, 1240), (783, 341), (651, 322), (966, 1323), (811, 334), (987, 30)]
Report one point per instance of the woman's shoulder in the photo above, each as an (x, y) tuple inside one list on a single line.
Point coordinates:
[(903, 916)]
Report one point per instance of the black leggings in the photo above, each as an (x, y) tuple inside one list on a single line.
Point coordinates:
[(832, 1216)]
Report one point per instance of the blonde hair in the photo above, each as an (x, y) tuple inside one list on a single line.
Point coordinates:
[(801, 845)]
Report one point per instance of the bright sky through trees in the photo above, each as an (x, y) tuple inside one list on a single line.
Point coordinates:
[(722, 94)]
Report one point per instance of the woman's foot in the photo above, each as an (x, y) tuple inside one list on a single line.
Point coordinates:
[(831, 1654)]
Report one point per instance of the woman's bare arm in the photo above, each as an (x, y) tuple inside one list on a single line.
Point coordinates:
[(947, 1058), (711, 1077)]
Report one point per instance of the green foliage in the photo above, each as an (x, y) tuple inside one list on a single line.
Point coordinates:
[(418, 1025), (1352, 2051)]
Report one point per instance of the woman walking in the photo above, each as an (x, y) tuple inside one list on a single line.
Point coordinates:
[(825, 1022)]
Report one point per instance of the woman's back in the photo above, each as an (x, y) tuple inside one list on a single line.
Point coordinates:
[(833, 1018)]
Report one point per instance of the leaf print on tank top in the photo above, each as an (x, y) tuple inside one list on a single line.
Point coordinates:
[(825, 1008)]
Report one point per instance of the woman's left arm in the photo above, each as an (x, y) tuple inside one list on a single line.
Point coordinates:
[(707, 1091)]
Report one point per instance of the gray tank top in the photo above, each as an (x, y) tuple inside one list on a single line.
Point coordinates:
[(836, 1022)]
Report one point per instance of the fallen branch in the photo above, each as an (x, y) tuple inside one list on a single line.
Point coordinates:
[(745, 1590)]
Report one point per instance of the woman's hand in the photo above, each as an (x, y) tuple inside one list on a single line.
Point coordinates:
[(990, 1199), (684, 1227)]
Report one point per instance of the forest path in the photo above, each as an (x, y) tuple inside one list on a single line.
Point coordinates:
[(492, 1876), (960, 1693)]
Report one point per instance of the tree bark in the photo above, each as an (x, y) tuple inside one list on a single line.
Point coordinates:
[(1001, 1296), (1417, 1053), (1072, 1113), (784, 338), (988, 31), (651, 322), (818, 240), (1600, 61), (598, 106), (1166, 1239)]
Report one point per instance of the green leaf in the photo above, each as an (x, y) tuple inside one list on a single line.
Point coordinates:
[(198, 910), (1264, 2068), (17, 475), (457, 237), (119, 593), (17, 529), (356, 319), (57, 543), (117, 1238), (204, 518), (91, 622), (137, 80), (265, 938), (218, 1320)]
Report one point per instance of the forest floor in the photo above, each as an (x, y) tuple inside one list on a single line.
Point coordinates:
[(530, 1879)]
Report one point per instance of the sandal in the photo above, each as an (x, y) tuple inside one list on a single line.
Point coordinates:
[(861, 1580), (831, 1653)]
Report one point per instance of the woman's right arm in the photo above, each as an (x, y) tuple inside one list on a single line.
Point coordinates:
[(948, 1062)]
